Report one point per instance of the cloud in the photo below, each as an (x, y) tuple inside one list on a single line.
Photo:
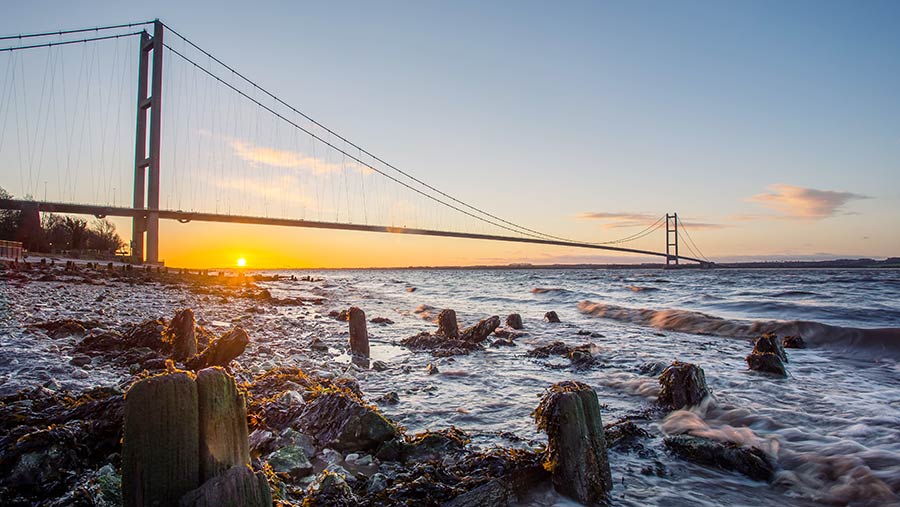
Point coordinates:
[(281, 158), (286, 189), (619, 220), (803, 203)]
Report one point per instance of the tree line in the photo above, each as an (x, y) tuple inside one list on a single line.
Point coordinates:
[(59, 233)]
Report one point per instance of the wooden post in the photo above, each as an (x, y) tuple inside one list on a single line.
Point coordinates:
[(359, 336), (223, 423), (160, 448)]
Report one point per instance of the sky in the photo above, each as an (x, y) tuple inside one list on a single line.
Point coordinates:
[(772, 128)]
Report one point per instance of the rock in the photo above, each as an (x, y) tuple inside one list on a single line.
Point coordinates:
[(291, 461), (768, 344), (623, 433), (223, 423), (338, 419), (381, 320), (503, 343), (221, 351), (750, 461), (440, 346), (359, 336), (340, 316), (330, 490), (793, 342), (161, 446), (391, 398), (683, 385), (180, 333), (576, 446), (551, 317), (431, 369), (377, 483), (652, 368), (514, 321), (447, 324), (551, 349), (80, 360), (379, 365), (508, 333), (318, 345), (239, 486), (480, 331), (767, 363), (435, 445)]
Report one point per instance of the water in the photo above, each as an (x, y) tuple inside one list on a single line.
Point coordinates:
[(833, 425)]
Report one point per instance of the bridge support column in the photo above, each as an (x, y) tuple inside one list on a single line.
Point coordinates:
[(671, 239), (147, 151)]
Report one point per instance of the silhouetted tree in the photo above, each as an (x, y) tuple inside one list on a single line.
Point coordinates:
[(9, 219), (102, 236), (77, 228)]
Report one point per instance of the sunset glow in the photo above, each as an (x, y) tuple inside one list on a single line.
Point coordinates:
[(242, 262)]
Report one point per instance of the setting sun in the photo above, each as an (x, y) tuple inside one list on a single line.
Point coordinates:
[(241, 262)]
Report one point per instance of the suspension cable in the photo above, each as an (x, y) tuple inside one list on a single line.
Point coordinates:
[(699, 253), (63, 43), (364, 151), (332, 146), (77, 30)]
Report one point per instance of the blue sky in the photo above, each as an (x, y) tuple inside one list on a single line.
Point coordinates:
[(742, 115)]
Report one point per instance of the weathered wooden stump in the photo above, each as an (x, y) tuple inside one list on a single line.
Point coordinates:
[(514, 321), (769, 344), (480, 331), (447, 324), (683, 384), (793, 342), (576, 445), (181, 333), (160, 449), (223, 423), (239, 486), (551, 317), (221, 351), (767, 363), (359, 335)]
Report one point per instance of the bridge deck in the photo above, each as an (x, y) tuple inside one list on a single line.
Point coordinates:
[(190, 216)]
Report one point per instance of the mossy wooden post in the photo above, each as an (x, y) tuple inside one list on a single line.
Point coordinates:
[(447, 324), (682, 385), (576, 445), (223, 423), (181, 332), (359, 336), (160, 449)]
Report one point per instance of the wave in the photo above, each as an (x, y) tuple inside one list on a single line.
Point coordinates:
[(882, 342), (793, 293), (638, 288), (548, 290)]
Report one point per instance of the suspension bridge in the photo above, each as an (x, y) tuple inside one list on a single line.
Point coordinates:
[(232, 151)]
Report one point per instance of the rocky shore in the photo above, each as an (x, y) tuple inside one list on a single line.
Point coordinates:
[(145, 401)]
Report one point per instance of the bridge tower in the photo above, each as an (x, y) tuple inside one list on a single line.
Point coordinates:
[(671, 239), (146, 149)]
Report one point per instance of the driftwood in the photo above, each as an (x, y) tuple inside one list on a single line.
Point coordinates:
[(221, 351)]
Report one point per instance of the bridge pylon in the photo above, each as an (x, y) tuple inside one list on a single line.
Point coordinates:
[(671, 239), (146, 149)]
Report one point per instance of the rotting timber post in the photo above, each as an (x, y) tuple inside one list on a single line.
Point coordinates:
[(146, 150)]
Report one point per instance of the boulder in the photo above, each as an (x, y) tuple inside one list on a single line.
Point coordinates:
[(514, 321), (793, 342), (161, 445), (330, 490), (750, 461), (447, 324), (768, 344), (767, 363), (223, 423), (180, 332), (683, 385), (221, 351), (480, 331), (338, 420), (239, 486), (551, 317), (291, 461), (576, 445), (359, 336)]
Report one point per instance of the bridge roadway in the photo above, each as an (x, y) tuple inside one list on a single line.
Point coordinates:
[(190, 216)]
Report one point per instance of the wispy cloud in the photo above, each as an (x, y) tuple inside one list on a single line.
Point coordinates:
[(617, 220), (281, 158), (285, 189), (794, 202)]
